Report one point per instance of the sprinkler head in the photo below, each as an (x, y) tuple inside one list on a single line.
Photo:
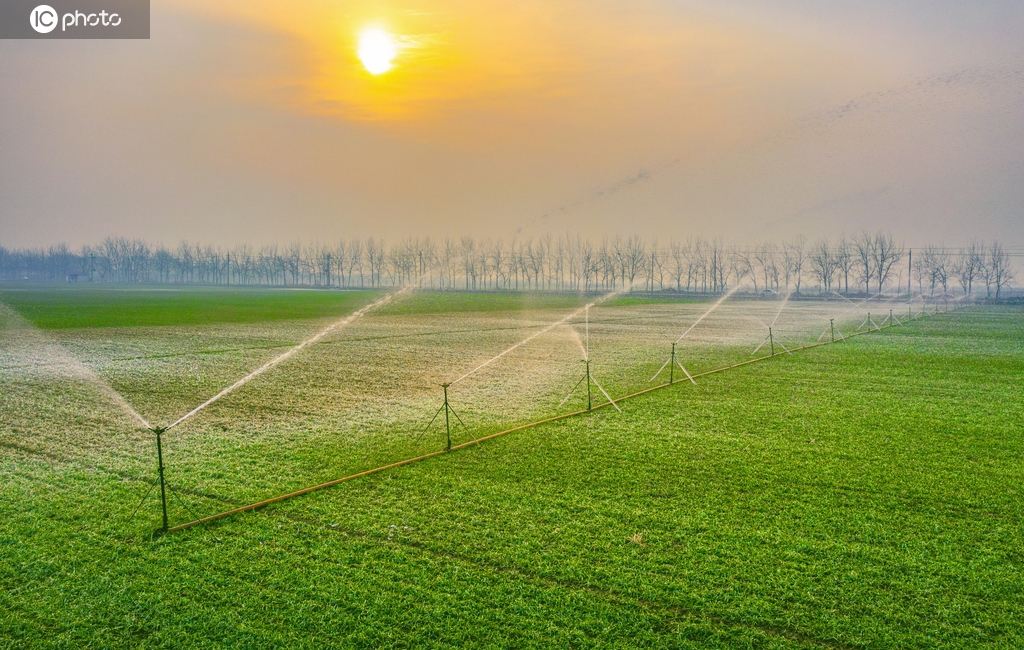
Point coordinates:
[(445, 385), (158, 430)]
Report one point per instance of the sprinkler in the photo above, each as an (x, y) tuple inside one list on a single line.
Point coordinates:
[(587, 362), (448, 412), (671, 373), (771, 340), (672, 365), (832, 328), (587, 377), (160, 470), (447, 423)]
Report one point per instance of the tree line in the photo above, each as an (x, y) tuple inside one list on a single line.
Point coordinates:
[(865, 263)]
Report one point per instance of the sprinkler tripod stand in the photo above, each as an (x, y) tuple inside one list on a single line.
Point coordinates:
[(831, 329), (584, 378), (448, 412), (587, 362), (587, 377), (770, 340), (159, 431), (672, 363)]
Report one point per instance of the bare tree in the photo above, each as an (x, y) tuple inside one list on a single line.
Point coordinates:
[(795, 260), (845, 260), (824, 264), (999, 272), (885, 253), (967, 265), (766, 257), (745, 266), (936, 264), (678, 264), (864, 246)]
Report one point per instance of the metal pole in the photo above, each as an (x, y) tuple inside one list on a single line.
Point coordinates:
[(832, 327), (672, 364), (772, 340), (587, 361), (890, 318), (160, 469), (447, 425), (652, 273), (910, 270)]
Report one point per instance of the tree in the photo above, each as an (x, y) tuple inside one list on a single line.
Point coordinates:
[(936, 265), (967, 265), (999, 267), (823, 264), (864, 247), (794, 260), (844, 260)]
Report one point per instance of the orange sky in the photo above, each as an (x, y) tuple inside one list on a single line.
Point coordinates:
[(251, 120)]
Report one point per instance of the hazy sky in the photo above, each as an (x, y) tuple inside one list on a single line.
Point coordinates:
[(255, 121)]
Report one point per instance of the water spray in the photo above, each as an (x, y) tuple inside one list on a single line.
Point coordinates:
[(672, 359), (781, 308), (587, 377), (289, 353), (560, 321), (705, 314)]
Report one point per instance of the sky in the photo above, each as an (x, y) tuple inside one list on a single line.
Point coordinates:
[(254, 121)]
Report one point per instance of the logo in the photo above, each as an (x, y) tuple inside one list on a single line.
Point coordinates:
[(43, 19), (74, 19)]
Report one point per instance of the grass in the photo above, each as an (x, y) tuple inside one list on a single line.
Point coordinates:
[(866, 494), (59, 307), (447, 303)]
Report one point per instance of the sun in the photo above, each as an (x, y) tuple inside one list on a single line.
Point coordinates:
[(376, 50)]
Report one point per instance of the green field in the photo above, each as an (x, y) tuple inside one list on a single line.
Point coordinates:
[(58, 307), (863, 494)]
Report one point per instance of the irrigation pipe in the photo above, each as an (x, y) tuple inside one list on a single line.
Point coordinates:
[(465, 445)]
